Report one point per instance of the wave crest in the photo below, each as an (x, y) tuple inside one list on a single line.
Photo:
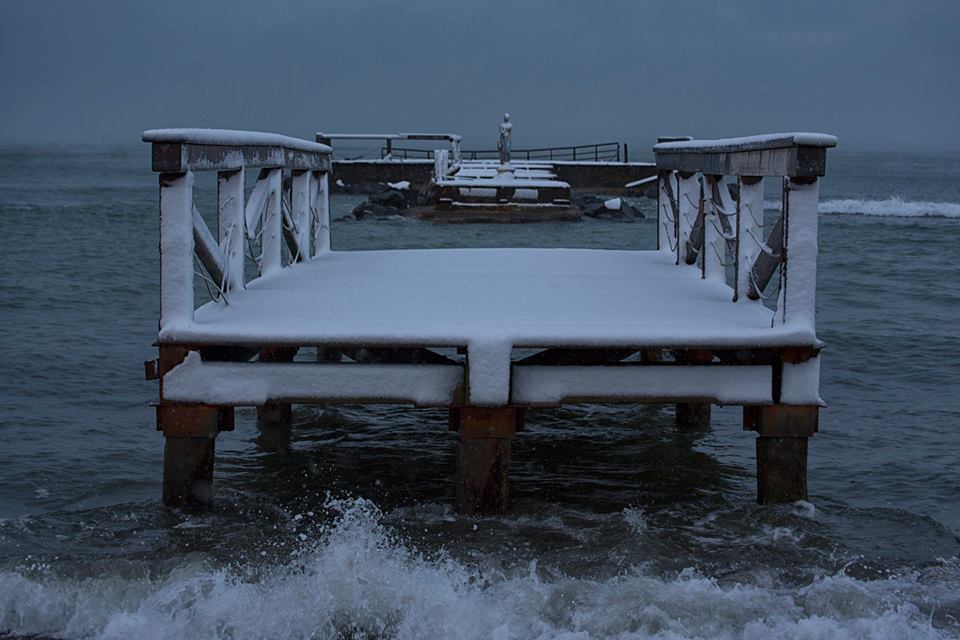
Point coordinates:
[(894, 206), (356, 579)]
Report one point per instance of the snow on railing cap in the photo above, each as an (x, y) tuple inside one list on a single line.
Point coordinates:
[(230, 137), (751, 143)]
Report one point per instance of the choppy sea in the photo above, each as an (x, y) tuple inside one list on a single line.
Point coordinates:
[(620, 526)]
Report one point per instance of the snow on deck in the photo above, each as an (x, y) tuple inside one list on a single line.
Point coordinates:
[(489, 300), (456, 297)]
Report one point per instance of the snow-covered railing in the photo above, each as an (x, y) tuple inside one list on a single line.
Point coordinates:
[(387, 151), (703, 224), (264, 221)]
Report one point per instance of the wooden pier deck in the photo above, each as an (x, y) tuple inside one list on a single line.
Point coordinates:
[(487, 332)]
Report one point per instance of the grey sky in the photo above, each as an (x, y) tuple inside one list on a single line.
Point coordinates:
[(878, 74)]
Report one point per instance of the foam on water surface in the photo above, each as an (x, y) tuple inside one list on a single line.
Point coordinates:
[(894, 206), (356, 578)]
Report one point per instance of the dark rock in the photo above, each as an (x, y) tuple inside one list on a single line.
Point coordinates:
[(393, 198), (374, 210), (388, 203), (595, 207)]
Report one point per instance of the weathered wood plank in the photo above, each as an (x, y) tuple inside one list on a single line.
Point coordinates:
[(795, 155), (176, 157), (208, 250)]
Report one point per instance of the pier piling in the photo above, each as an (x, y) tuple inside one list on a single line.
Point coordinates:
[(693, 415), (781, 449), (483, 456), (190, 432), (274, 419)]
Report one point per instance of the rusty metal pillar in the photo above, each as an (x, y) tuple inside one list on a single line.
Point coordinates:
[(693, 415), (188, 455), (274, 419), (782, 431), (483, 456)]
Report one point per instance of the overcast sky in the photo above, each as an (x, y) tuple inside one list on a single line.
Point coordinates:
[(878, 74)]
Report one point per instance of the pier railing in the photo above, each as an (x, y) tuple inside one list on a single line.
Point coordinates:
[(387, 151), (723, 231), (602, 152), (279, 223)]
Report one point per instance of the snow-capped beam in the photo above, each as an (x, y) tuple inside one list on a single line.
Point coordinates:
[(778, 154), (180, 150)]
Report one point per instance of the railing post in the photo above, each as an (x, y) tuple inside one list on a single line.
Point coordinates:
[(230, 202), (455, 149), (301, 188), (441, 162), (797, 305), (176, 249), (272, 232), (749, 235), (713, 242), (688, 195), (666, 214), (321, 219)]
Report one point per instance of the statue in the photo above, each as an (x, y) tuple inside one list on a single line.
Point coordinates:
[(503, 144)]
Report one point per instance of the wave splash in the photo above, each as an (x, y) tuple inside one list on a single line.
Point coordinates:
[(357, 580)]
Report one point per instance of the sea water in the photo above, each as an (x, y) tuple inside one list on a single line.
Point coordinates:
[(620, 526)]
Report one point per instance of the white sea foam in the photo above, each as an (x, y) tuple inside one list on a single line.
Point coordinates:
[(891, 207), (357, 580), (894, 206)]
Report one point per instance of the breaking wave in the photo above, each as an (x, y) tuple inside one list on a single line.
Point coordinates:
[(891, 207), (894, 206), (356, 579)]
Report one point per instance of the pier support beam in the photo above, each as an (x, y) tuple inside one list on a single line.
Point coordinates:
[(274, 419), (781, 449), (188, 455), (483, 456)]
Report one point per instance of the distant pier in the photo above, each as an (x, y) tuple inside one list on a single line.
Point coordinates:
[(486, 333), (589, 168)]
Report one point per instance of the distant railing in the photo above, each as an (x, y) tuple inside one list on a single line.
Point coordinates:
[(702, 224), (602, 152), (274, 215), (387, 151)]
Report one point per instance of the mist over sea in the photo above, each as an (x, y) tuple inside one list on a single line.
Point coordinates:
[(620, 526)]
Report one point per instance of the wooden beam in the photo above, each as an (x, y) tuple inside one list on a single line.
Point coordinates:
[(208, 250), (766, 264), (178, 157), (797, 155), (483, 457)]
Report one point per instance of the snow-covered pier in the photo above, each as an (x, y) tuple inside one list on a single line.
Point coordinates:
[(591, 168), (486, 333)]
